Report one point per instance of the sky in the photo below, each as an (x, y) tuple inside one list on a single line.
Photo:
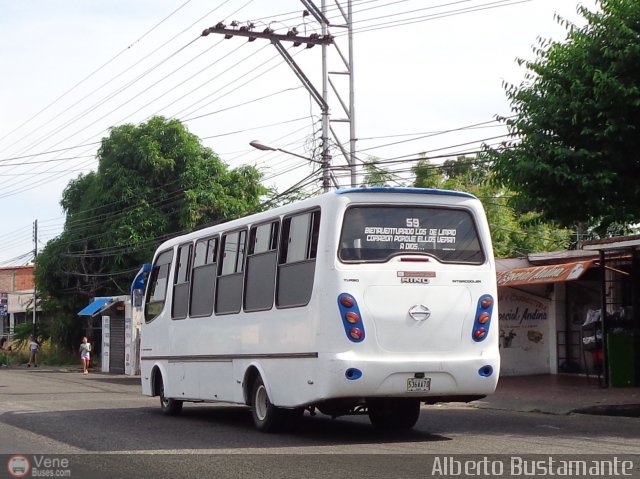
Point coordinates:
[(429, 79)]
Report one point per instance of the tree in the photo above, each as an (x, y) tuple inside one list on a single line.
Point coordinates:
[(512, 234), (374, 174), (153, 181), (576, 125)]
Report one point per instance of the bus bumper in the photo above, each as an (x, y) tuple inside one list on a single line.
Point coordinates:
[(426, 379)]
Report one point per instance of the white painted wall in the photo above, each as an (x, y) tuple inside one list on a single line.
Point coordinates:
[(527, 333)]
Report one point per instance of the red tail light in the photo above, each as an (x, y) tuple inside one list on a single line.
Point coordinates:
[(486, 302), (480, 333), (352, 317), (347, 301), (482, 322), (355, 333)]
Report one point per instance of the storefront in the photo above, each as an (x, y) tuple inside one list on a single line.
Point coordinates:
[(110, 327), (550, 313), (611, 332)]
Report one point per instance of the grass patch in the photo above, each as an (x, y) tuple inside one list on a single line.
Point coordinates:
[(16, 354)]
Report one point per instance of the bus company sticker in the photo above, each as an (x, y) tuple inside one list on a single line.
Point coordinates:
[(416, 274)]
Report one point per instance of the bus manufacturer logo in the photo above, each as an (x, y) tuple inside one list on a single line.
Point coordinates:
[(416, 277), (414, 280), (419, 312)]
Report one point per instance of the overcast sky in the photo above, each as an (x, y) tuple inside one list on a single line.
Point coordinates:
[(71, 69)]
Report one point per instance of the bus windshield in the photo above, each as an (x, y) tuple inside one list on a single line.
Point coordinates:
[(376, 233)]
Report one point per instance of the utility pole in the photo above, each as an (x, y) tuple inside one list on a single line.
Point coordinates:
[(35, 255), (324, 39)]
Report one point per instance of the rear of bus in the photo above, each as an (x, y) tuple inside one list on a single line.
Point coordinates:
[(414, 298)]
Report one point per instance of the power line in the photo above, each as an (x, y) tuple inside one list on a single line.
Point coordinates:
[(93, 73)]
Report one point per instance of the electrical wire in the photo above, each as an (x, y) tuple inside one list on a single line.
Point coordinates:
[(128, 48)]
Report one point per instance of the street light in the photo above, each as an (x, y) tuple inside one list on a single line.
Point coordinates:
[(261, 146), (257, 144)]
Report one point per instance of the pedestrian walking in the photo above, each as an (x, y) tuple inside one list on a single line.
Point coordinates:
[(85, 355), (33, 352)]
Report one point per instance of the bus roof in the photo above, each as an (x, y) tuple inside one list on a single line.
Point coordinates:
[(415, 191)]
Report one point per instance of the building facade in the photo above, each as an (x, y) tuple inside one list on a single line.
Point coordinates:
[(551, 312), (16, 297)]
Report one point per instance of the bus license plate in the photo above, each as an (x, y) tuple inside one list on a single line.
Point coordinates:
[(418, 385)]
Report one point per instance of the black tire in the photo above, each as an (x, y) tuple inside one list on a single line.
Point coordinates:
[(393, 413), (266, 416), (170, 407)]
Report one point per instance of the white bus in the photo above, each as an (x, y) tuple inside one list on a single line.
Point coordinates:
[(359, 301)]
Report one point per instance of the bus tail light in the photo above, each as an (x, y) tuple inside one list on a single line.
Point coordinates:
[(347, 300), (356, 334), (351, 318), (483, 318), (479, 334)]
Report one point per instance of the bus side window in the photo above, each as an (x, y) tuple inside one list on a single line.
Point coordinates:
[(157, 286), (260, 273), (230, 273), (181, 283), (203, 277), (296, 265)]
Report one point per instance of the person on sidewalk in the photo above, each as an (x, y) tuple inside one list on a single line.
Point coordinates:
[(85, 355), (33, 352)]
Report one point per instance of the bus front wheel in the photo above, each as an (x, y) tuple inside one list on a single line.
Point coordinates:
[(170, 407), (393, 413)]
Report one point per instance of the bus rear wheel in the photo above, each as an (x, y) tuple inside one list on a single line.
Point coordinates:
[(266, 416), (393, 413), (170, 407)]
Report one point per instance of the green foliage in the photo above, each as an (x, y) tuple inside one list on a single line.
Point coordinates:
[(512, 234), (153, 181), (374, 174), (22, 334), (575, 155)]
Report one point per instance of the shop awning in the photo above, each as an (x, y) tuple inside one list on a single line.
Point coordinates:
[(95, 307), (553, 273)]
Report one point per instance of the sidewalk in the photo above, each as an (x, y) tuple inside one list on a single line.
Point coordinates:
[(561, 394)]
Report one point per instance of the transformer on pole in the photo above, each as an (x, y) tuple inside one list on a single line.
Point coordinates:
[(325, 39)]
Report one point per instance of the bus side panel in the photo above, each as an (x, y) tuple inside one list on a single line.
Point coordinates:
[(211, 380), (289, 382)]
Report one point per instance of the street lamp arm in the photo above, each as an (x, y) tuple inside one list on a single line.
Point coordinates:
[(261, 146)]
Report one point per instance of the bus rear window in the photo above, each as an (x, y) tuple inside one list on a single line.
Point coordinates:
[(376, 233)]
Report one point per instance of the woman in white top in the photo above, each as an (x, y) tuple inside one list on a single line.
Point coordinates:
[(85, 356), (33, 356)]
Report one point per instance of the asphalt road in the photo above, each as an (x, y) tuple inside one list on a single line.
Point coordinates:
[(103, 425)]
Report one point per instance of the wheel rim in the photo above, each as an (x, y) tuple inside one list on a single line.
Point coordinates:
[(260, 403)]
